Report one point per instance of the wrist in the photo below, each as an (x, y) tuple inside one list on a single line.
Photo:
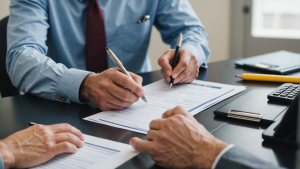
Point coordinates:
[(84, 87), (7, 155), (213, 151)]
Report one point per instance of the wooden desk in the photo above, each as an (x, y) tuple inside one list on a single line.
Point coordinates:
[(17, 111)]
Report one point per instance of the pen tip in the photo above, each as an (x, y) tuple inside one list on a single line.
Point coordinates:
[(106, 48), (171, 84), (144, 98), (236, 75)]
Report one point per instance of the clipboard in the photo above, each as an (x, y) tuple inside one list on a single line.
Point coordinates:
[(253, 106), (280, 62)]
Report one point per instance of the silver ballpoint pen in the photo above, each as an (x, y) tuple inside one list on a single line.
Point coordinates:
[(120, 66)]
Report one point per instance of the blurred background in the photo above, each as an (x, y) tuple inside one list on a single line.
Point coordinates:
[(236, 28)]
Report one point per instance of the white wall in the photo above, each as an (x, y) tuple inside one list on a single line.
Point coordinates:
[(214, 15), (4, 8)]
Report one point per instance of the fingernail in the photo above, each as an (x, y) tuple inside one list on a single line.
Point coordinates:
[(141, 93), (168, 73), (130, 142), (175, 75)]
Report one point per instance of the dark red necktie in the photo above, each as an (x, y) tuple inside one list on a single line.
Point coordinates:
[(95, 38)]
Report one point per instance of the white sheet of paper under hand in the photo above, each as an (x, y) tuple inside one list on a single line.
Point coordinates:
[(96, 153), (195, 97)]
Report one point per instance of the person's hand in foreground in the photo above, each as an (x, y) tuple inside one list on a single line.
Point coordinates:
[(38, 144), (186, 70), (179, 141), (112, 89)]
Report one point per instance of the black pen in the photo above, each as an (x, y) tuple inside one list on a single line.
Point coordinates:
[(175, 61), (31, 123)]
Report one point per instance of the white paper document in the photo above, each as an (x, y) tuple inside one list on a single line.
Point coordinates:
[(195, 97), (96, 153)]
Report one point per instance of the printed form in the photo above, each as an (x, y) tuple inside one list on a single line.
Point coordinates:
[(195, 97), (96, 153)]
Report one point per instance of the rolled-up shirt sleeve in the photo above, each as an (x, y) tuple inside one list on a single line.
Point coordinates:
[(175, 17), (28, 66)]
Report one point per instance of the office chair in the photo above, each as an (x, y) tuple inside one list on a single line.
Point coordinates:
[(6, 87)]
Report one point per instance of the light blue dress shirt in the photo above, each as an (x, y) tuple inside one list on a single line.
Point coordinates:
[(1, 162), (46, 53)]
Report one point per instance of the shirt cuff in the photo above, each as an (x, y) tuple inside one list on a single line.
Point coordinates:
[(199, 54), (1, 162), (220, 155), (68, 88)]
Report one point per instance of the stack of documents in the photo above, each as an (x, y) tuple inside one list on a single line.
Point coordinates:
[(96, 153), (195, 97)]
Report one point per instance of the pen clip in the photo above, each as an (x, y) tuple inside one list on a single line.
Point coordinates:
[(145, 18)]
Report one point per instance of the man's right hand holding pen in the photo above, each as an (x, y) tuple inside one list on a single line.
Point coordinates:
[(111, 89)]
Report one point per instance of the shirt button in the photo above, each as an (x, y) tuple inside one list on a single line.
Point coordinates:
[(61, 97)]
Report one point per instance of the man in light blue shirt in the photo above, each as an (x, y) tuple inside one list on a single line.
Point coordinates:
[(46, 53)]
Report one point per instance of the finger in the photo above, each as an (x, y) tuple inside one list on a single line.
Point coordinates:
[(185, 74), (168, 113), (123, 94), (156, 124), (117, 107), (65, 127), (184, 61), (151, 134), (186, 80), (71, 138), (138, 79), (140, 145), (177, 110), (165, 62), (127, 82), (64, 147), (165, 75), (193, 72), (120, 96), (109, 106)]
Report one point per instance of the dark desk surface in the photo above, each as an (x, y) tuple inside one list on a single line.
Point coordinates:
[(17, 111)]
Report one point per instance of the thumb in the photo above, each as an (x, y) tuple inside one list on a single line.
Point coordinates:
[(140, 145)]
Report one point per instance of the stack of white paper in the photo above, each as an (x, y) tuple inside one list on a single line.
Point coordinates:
[(195, 97)]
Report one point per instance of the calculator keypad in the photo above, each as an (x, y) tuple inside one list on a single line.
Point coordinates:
[(286, 92)]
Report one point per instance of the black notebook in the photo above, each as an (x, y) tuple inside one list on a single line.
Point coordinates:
[(253, 106)]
